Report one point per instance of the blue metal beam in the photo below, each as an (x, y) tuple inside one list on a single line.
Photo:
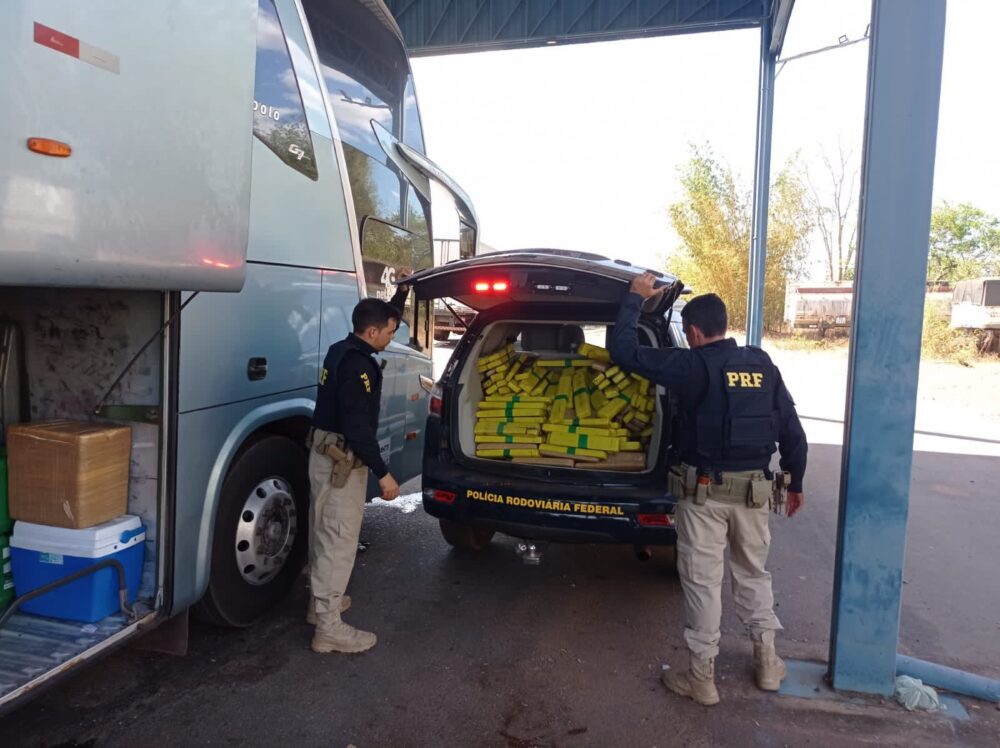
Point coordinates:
[(904, 84), (761, 189), (436, 27)]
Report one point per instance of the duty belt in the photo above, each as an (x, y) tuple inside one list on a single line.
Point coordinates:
[(751, 488)]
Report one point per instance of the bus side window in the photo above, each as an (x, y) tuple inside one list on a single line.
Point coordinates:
[(279, 118)]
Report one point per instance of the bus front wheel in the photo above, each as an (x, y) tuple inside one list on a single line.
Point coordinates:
[(261, 532)]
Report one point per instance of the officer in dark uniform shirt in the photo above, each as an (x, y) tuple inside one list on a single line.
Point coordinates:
[(344, 447), (733, 406)]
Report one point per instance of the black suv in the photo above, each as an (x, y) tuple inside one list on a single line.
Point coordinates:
[(545, 303)]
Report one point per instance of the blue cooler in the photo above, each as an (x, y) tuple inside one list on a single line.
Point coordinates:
[(41, 554)]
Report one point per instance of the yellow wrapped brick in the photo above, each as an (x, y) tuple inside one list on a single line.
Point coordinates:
[(601, 423), (613, 407), (507, 453), (629, 446), (562, 428), (563, 363), (505, 427), (593, 352), (518, 399), (561, 402), (541, 389), (584, 441), (523, 420), (646, 433), (597, 400), (490, 439), (581, 395), (583, 455), (512, 412)]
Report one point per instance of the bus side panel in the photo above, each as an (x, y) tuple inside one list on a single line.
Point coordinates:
[(155, 100), (207, 441), (276, 317)]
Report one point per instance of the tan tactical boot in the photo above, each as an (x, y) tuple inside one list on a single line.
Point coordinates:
[(333, 635), (768, 668), (345, 603), (697, 682)]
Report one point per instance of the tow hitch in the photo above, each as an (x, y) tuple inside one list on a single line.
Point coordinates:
[(530, 552)]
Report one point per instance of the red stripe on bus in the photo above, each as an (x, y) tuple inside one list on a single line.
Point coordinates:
[(57, 40)]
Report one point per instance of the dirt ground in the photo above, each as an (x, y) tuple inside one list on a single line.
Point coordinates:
[(952, 399)]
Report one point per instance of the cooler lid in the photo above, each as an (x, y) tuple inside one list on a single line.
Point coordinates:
[(88, 542)]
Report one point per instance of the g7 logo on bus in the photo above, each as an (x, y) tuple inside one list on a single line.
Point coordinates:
[(296, 150)]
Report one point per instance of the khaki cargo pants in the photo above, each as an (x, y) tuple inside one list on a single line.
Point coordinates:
[(703, 532), (334, 527)]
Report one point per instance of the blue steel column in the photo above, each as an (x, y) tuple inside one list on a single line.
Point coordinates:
[(761, 188), (904, 83)]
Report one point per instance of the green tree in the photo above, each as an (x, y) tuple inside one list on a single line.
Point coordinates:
[(713, 221), (964, 243)]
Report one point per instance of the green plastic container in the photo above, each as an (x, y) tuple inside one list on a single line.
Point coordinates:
[(4, 511), (6, 580)]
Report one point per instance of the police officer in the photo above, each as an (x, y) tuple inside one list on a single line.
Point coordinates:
[(733, 407), (344, 443)]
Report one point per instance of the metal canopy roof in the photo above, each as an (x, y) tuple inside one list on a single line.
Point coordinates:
[(438, 27)]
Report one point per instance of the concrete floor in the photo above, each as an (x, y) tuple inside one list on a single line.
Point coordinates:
[(488, 651)]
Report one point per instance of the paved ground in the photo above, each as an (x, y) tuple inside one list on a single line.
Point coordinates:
[(488, 651)]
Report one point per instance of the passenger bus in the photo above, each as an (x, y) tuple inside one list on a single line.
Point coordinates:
[(193, 197)]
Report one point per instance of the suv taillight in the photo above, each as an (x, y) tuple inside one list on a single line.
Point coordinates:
[(435, 401)]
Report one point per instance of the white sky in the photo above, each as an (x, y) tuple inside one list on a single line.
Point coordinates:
[(578, 146)]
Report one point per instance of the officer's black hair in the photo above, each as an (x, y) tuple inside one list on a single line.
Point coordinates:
[(372, 313), (708, 313)]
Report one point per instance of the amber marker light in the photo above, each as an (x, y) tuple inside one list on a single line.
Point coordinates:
[(48, 147)]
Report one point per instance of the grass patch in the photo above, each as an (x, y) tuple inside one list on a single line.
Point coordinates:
[(942, 342), (939, 341), (808, 342)]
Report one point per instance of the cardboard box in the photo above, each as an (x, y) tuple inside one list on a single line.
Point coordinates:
[(68, 473)]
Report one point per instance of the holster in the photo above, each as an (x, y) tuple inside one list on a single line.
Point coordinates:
[(779, 491), (342, 456)]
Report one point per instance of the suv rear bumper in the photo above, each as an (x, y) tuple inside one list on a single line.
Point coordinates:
[(524, 510)]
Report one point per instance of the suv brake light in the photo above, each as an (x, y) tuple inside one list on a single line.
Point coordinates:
[(654, 520), (496, 285)]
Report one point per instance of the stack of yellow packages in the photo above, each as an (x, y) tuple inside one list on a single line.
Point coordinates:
[(572, 412)]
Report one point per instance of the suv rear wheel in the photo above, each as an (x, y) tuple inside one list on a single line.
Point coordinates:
[(465, 537)]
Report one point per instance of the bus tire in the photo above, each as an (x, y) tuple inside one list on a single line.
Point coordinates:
[(465, 537), (261, 533)]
